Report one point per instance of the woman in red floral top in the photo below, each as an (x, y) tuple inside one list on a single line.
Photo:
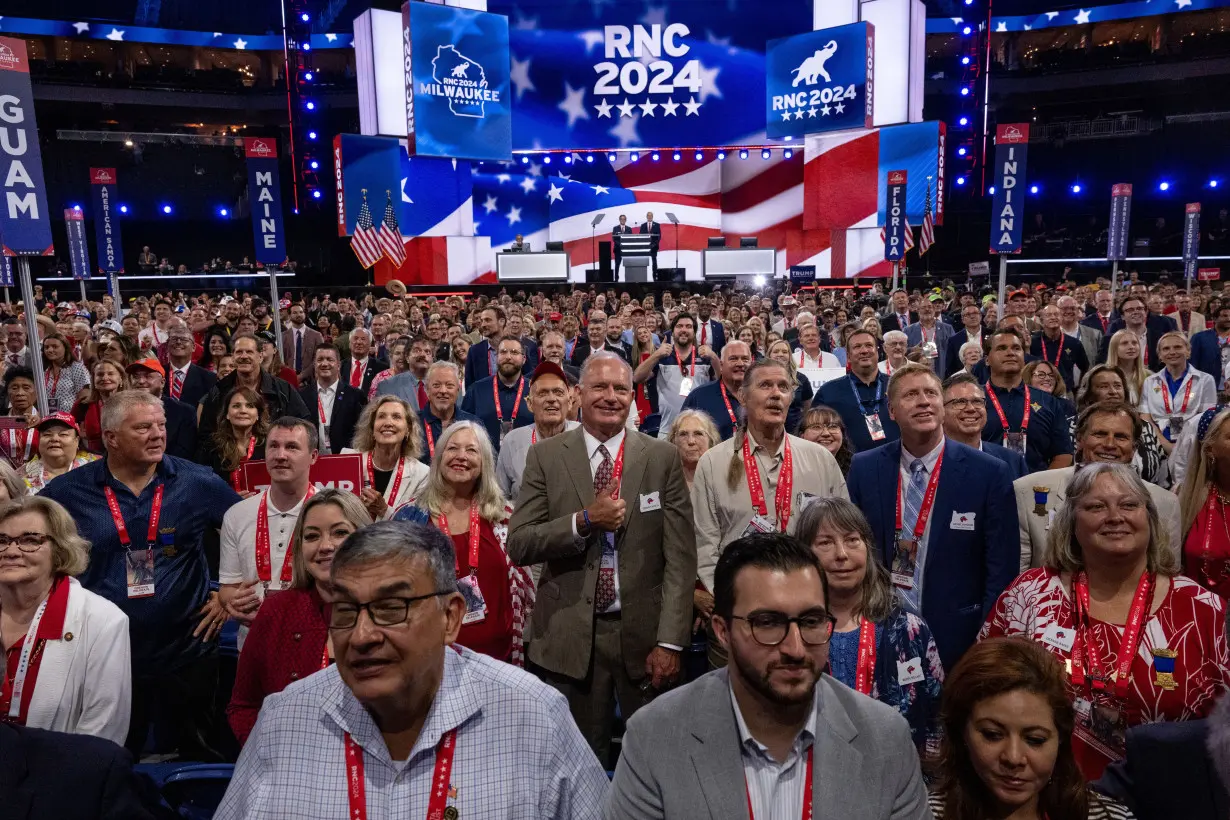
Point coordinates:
[(289, 639), (1204, 501), (1109, 584)]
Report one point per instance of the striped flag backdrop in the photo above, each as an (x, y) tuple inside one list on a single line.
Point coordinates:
[(389, 234), (366, 241), (927, 237)]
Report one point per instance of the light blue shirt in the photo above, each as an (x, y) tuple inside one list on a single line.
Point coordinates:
[(775, 789), (913, 597), (519, 754)]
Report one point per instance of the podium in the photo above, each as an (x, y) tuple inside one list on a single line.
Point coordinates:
[(634, 248)]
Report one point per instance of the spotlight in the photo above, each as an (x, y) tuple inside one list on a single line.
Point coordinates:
[(787, 154), (700, 155), (123, 209), (967, 31), (1076, 188), (223, 212), (166, 209), (305, 17), (313, 165), (76, 207), (961, 151), (634, 156), (965, 91), (1033, 189), (743, 154), (546, 160), (127, 143), (788, 138), (306, 46), (963, 121), (525, 160), (316, 194), (308, 76), (655, 156), (568, 159), (1163, 185), (758, 281), (677, 156), (991, 190), (311, 135), (721, 155), (311, 106), (611, 157), (969, 2), (960, 180), (766, 153), (965, 61), (589, 158), (1212, 183)]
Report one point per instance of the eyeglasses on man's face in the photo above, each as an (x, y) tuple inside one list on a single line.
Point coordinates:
[(383, 611), (771, 628)]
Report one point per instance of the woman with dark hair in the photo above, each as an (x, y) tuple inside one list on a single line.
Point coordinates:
[(1006, 750), (243, 421), (877, 647), (65, 377), (823, 425), (217, 344)]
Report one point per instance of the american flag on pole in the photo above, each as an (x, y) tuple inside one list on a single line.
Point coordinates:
[(366, 241), (389, 235), (927, 238)]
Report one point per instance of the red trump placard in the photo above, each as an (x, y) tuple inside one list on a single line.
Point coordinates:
[(344, 472)]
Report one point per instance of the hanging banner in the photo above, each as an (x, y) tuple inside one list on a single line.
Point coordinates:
[(1120, 221), (820, 81), (894, 220), (1008, 201), (265, 196), (6, 272), (78, 253), (1191, 241), (25, 223), (802, 274), (107, 243)]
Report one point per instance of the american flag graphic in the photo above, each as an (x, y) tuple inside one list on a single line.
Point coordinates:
[(366, 241), (927, 238), (909, 236), (389, 234)]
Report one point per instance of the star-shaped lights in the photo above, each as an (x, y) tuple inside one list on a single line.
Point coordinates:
[(1081, 17), (81, 28), (116, 35), (241, 43)]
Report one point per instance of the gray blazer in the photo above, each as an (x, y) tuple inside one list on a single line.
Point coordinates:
[(1091, 340), (681, 759)]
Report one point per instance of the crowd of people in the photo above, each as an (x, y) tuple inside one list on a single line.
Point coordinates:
[(868, 554)]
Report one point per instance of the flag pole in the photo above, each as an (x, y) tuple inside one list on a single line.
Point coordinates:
[(273, 306), (1003, 285), (36, 362)]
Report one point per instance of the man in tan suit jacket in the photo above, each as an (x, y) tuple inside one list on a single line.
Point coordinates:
[(1108, 431), (1186, 319), (614, 605)]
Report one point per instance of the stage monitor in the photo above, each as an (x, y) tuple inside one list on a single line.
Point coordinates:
[(747, 242), (555, 246), (717, 241)]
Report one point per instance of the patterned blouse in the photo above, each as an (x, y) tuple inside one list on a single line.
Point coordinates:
[(1189, 623), (36, 477), (900, 638), (1101, 807), (63, 388)]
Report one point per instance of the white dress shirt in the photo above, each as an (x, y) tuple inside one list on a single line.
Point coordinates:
[(1152, 403), (913, 597), (775, 789), (821, 361), (324, 411)]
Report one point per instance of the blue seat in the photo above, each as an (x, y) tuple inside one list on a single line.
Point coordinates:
[(195, 790), (651, 424)]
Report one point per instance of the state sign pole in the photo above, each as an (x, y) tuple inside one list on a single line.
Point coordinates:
[(1114, 279), (36, 362), (273, 306), (894, 288), (1003, 286)]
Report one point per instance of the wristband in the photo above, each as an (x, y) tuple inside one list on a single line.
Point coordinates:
[(585, 515)]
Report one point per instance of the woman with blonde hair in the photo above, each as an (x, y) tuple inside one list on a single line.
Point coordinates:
[(289, 639), (462, 497), (1124, 352), (1203, 501), (109, 378), (389, 437)]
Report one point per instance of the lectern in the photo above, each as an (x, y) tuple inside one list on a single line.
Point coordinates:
[(634, 248)]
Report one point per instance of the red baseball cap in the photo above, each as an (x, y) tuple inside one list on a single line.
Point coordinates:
[(556, 317), (549, 369), (58, 417), (152, 365)]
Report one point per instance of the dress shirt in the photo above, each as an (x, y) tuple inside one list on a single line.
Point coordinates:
[(1204, 396), (775, 790), (237, 562), (360, 365), (511, 464), (913, 597), (595, 459), (518, 753), (722, 515), (823, 360), (327, 396)]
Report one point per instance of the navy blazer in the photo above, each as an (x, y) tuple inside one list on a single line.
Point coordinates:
[(1015, 461), (1206, 354), (966, 570), (374, 366), (348, 405), (838, 395), (197, 383), (181, 428), (708, 399), (718, 340), (1168, 773)]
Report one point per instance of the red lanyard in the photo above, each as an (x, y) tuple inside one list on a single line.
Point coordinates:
[(533, 436), (324, 656), (52, 386), (320, 405), (264, 568), (357, 789), (431, 441), (999, 410), (924, 512), (473, 538), (807, 798), (495, 395), (802, 358), (1058, 353), (122, 530), (785, 483), (865, 671), (391, 495), (1084, 641), (1166, 395), (733, 418), (236, 474), (618, 471), (692, 365)]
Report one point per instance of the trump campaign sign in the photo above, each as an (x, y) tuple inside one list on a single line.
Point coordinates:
[(1008, 202), (820, 81), (107, 242), (456, 70), (895, 221), (25, 224), (265, 195), (78, 253), (1120, 219), (342, 472)]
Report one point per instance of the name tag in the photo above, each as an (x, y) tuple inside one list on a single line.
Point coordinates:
[(909, 671), (1059, 637), (651, 501), (759, 524), (962, 521), (685, 386)]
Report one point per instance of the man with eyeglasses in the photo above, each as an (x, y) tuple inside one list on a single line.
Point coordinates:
[(806, 745), (408, 723), (965, 414), (186, 381)]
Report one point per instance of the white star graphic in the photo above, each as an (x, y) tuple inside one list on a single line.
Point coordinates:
[(514, 215), (81, 27), (574, 104), (405, 197), (491, 204), (839, 107), (625, 131), (241, 43), (1051, 15), (116, 35), (535, 170), (1028, 27), (1182, 3), (591, 39), (520, 77), (1001, 26), (798, 115), (824, 111), (331, 37), (668, 108), (1082, 16), (555, 194), (648, 108), (785, 116), (708, 83), (502, 178), (599, 189), (217, 34), (529, 184), (625, 108), (565, 177), (604, 109), (654, 15), (693, 107), (811, 113), (958, 20)]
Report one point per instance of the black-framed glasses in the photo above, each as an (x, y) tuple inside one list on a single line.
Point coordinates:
[(26, 542), (771, 628), (383, 611)]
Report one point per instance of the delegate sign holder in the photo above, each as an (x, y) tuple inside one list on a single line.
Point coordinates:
[(267, 226), (1008, 206), (894, 223), (1117, 234)]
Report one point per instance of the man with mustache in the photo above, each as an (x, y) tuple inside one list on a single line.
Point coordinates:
[(1108, 431), (720, 399), (677, 367), (255, 544), (1030, 421), (942, 513), (768, 731)]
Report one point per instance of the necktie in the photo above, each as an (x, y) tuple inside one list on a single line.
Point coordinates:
[(422, 396), (177, 384), (704, 334), (298, 351), (914, 492), (356, 375), (604, 596)]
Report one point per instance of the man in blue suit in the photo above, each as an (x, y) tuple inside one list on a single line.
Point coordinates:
[(500, 400), (954, 546), (861, 396), (1207, 346), (481, 360), (965, 414)]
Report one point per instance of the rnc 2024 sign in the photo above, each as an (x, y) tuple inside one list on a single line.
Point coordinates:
[(820, 81), (456, 67)]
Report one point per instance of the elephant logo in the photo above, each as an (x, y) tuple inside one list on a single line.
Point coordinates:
[(813, 67)]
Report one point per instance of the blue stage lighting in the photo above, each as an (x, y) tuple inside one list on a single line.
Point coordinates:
[(313, 165), (655, 156), (963, 121), (307, 46), (307, 75), (634, 156), (1163, 185), (960, 180), (1076, 188), (743, 154), (721, 155), (965, 91), (700, 155), (166, 209), (123, 209), (589, 158), (310, 106), (612, 157), (969, 2), (525, 160), (965, 61), (305, 17), (546, 160), (787, 154), (76, 207), (311, 135), (677, 156), (967, 30), (766, 153), (1033, 189), (991, 190), (223, 212), (568, 159), (961, 151), (316, 194), (1213, 183)]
